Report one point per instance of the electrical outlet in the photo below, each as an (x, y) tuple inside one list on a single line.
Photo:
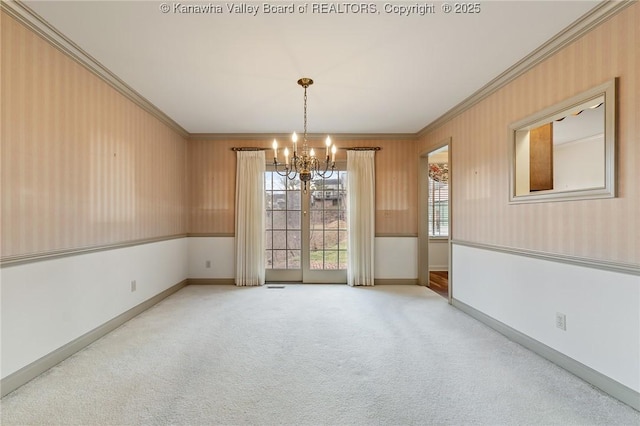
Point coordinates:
[(561, 321), (133, 286), (207, 264)]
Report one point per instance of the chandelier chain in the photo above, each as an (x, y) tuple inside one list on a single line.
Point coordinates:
[(305, 117)]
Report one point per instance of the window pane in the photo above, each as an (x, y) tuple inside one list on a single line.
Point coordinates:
[(279, 220), (268, 220), (331, 219), (279, 259), (293, 220), (268, 240), (316, 220), (316, 240), (342, 243), (293, 260), (268, 199), (279, 200), (293, 200), (279, 240), (342, 260), (331, 259), (331, 240), (316, 259), (293, 240), (268, 184), (268, 260)]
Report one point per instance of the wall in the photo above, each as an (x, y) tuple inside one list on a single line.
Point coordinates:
[(439, 254), (47, 304), (603, 328), (82, 166), (211, 181), (480, 162), (525, 295), (89, 175)]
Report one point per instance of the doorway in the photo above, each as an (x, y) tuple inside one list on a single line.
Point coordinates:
[(435, 219), (306, 231)]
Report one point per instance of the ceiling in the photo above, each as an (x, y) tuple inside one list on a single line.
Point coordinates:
[(374, 73)]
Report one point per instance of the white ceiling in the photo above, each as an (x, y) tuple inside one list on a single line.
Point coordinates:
[(374, 73)]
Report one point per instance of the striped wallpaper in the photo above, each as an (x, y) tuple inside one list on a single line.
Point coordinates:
[(606, 229), (82, 166), (212, 168)]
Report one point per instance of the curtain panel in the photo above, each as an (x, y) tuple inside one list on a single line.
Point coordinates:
[(360, 217), (250, 221)]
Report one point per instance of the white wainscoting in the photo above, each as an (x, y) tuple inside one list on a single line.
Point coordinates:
[(602, 307), (396, 258), (220, 251), (47, 304)]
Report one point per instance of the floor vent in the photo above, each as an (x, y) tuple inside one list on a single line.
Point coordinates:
[(275, 286)]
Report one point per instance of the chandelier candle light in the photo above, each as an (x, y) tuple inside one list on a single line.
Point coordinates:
[(305, 164)]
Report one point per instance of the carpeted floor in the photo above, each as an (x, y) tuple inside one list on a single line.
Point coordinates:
[(308, 354)]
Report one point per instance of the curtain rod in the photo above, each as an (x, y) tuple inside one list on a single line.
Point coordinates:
[(357, 148), (363, 148)]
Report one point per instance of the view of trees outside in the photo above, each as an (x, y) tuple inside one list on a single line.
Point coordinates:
[(328, 230), (328, 234)]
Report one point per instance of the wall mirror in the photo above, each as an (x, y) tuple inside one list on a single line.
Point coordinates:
[(567, 151)]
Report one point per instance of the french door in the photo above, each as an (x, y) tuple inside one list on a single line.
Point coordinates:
[(306, 231)]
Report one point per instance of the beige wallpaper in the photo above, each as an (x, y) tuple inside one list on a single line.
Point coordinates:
[(212, 171), (607, 229), (82, 166)]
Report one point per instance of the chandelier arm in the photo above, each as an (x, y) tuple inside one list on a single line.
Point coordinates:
[(284, 173), (324, 174)]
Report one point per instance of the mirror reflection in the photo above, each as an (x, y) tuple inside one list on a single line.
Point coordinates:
[(566, 151)]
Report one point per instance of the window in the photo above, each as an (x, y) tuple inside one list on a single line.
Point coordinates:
[(438, 212)]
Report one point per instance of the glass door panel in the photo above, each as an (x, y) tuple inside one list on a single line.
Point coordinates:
[(306, 232), (327, 230), (283, 225)]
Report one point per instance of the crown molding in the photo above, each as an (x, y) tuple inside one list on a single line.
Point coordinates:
[(603, 11), (25, 15), (268, 137), (600, 13)]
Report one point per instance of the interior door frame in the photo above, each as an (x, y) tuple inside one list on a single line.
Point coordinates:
[(423, 217)]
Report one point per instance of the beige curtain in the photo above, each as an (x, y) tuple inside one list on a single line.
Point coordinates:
[(360, 216), (250, 222)]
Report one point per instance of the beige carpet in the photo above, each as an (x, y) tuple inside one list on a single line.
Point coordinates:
[(308, 354)]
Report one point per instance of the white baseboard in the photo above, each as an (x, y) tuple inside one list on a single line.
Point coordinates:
[(394, 281), (31, 371), (438, 268), (599, 380)]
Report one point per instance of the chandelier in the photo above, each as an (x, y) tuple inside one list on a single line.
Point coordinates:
[(305, 163)]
